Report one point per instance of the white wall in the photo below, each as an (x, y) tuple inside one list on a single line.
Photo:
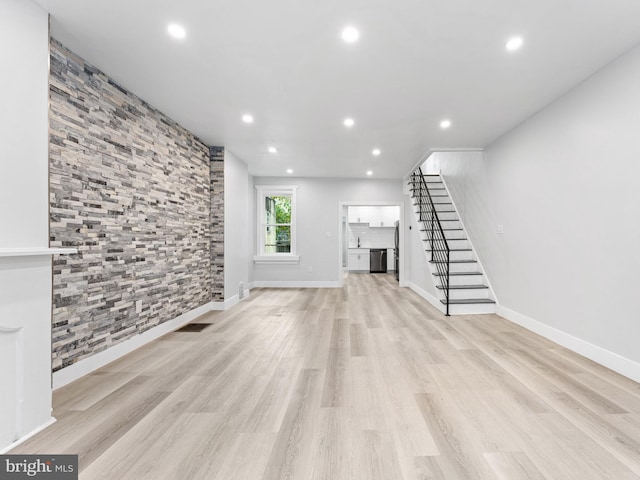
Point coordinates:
[(237, 230), (317, 224), (566, 187), (417, 272), (250, 213), (25, 282)]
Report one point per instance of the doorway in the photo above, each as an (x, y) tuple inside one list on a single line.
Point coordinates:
[(370, 230)]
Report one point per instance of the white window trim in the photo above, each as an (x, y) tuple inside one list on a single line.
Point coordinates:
[(274, 258)]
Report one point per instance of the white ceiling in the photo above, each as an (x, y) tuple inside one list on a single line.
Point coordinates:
[(283, 61)]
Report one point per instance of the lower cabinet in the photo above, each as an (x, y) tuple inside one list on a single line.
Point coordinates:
[(358, 260)]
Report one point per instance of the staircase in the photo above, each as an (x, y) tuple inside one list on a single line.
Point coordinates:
[(458, 276)]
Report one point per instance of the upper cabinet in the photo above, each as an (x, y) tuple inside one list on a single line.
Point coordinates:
[(382, 216), (359, 214)]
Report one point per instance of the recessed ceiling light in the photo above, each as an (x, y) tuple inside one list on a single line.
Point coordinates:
[(247, 118), (349, 122), (444, 124), (375, 152), (369, 172), (289, 170), (513, 44), (350, 34), (273, 150), (176, 31)]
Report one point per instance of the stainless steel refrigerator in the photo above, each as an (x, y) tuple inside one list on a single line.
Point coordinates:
[(396, 251)]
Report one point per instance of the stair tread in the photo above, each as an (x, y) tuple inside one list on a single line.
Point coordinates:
[(448, 239), (455, 261), (444, 230), (467, 301), (463, 287), (456, 274), (451, 250), (444, 211)]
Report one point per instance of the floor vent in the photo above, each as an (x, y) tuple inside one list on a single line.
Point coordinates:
[(194, 327)]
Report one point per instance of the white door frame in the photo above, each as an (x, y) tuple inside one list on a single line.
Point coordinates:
[(362, 203)]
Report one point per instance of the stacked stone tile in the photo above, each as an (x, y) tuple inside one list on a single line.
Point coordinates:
[(217, 222), (131, 190)]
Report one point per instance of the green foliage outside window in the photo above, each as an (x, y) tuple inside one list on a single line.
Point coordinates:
[(283, 209), (278, 229)]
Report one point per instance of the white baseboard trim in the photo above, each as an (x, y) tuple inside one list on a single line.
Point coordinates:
[(26, 437), (233, 301), (426, 295), (88, 365), (295, 284), (604, 357)]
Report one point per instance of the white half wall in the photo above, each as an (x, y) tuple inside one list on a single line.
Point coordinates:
[(237, 259), (317, 226), (25, 281), (565, 186)]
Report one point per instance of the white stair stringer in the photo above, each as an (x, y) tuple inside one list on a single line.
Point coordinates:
[(470, 292)]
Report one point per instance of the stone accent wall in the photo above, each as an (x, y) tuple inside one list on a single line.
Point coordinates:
[(217, 222), (130, 189)]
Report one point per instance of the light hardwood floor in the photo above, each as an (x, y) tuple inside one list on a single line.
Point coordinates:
[(364, 382)]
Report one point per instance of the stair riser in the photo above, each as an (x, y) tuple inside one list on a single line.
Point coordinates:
[(426, 218), (463, 267), (449, 235), (437, 190), (476, 309), (468, 293), (439, 206), (450, 223), (453, 244), (455, 234), (453, 255), (461, 256), (445, 216), (464, 280), (437, 198)]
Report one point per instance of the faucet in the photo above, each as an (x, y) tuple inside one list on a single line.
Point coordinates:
[(358, 242)]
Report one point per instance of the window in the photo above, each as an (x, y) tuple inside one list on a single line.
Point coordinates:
[(276, 232)]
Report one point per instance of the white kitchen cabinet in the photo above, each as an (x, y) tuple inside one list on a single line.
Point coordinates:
[(390, 263), (358, 259), (383, 217), (359, 214), (375, 217), (390, 216)]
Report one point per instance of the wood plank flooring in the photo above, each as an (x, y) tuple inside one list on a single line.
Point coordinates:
[(364, 382)]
